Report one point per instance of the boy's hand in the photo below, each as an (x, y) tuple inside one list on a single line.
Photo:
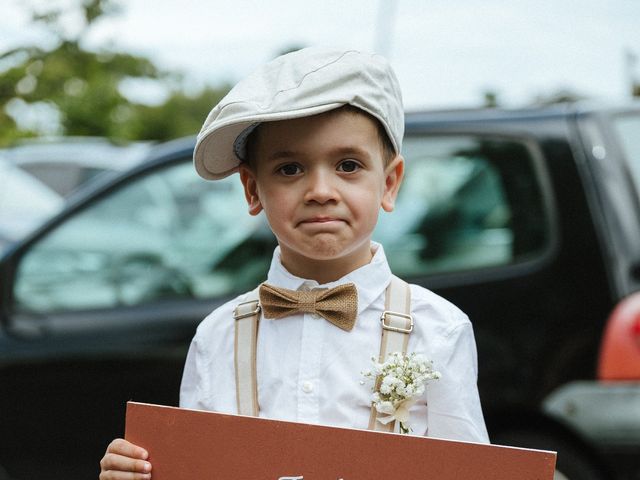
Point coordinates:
[(125, 461)]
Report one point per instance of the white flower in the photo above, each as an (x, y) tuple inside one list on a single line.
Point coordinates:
[(385, 389), (401, 379)]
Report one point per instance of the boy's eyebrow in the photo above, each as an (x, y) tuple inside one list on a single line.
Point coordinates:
[(350, 150), (282, 155), (340, 150)]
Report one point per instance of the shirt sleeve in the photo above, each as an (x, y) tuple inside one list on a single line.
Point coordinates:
[(194, 380), (453, 402), (208, 378)]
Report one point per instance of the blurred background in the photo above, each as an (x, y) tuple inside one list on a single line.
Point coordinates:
[(523, 143), (137, 69)]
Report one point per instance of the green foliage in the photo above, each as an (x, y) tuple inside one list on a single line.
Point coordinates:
[(490, 99), (84, 86), (180, 115)]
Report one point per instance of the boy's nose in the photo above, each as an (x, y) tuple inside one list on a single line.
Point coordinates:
[(320, 187)]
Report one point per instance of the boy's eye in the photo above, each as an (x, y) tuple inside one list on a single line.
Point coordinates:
[(348, 166), (289, 169)]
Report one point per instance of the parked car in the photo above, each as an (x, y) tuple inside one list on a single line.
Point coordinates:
[(67, 163), (25, 203), (528, 220)]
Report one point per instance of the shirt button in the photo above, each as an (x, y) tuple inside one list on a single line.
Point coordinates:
[(307, 387)]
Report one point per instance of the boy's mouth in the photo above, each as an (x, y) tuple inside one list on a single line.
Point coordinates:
[(321, 220)]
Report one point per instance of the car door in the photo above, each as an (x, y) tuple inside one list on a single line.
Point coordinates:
[(100, 306), (481, 219), (493, 217)]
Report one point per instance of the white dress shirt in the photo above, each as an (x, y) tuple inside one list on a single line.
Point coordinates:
[(310, 371)]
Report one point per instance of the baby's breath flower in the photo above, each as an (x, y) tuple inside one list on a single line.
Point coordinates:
[(385, 389), (401, 379)]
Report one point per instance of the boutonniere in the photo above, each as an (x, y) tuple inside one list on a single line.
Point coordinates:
[(398, 383)]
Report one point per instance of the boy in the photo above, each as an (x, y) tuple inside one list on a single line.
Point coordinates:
[(316, 136)]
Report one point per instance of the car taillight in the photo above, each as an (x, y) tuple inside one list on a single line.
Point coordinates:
[(620, 349), (635, 329)]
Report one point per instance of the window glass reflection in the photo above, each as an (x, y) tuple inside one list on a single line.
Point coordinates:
[(467, 202), (168, 235), (628, 129)]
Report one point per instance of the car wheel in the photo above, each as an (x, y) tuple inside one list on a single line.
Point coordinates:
[(572, 463)]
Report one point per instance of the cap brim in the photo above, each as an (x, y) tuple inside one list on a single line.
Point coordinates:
[(214, 157)]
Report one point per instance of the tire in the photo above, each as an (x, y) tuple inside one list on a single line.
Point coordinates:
[(573, 463)]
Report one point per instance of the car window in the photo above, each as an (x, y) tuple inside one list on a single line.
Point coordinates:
[(628, 129), (166, 235), (467, 202)]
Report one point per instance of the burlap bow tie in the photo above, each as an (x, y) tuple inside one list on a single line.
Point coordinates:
[(338, 305)]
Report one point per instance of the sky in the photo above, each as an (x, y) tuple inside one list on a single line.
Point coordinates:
[(446, 53)]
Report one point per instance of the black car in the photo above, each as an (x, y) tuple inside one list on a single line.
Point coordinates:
[(528, 220)]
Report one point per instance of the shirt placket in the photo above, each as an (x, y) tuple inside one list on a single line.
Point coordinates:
[(310, 366)]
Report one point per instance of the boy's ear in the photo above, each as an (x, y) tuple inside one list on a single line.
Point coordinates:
[(394, 173), (248, 179)]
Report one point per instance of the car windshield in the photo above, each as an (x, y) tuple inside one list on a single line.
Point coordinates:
[(628, 128), (67, 164), (25, 203)]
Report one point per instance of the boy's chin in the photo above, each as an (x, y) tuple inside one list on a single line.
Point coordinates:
[(322, 257)]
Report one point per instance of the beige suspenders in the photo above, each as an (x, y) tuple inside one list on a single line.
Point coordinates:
[(247, 316), (396, 321), (397, 324)]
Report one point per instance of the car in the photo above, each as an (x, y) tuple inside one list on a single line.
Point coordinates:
[(25, 203), (526, 219), (67, 163)]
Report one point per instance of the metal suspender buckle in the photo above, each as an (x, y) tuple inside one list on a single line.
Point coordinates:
[(387, 326), (237, 315)]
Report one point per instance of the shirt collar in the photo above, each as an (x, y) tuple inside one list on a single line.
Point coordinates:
[(370, 279)]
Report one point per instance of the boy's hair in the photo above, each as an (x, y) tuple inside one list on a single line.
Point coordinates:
[(299, 84), (386, 147)]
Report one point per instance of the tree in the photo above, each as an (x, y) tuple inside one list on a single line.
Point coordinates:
[(81, 89), (561, 95), (181, 114), (490, 98)]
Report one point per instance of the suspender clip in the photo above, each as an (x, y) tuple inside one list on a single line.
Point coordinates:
[(237, 313), (408, 326)]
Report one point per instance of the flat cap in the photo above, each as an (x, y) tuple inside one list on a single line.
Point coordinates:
[(299, 84)]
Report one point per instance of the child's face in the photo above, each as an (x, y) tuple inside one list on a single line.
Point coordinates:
[(321, 181)]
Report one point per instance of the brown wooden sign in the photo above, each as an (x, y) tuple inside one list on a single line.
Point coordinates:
[(189, 444)]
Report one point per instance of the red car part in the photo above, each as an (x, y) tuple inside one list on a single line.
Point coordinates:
[(620, 349)]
